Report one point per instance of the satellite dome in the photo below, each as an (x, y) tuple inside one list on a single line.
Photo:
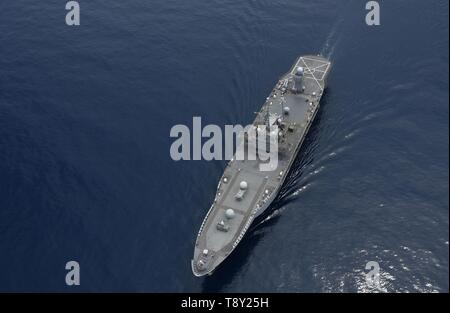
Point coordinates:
[(243, 185), (229, 213), (299, 71), (286, 110)]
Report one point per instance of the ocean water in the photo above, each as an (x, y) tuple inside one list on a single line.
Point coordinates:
[(86, 173)]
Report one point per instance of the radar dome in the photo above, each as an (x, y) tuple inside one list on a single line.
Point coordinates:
[(229, 213)]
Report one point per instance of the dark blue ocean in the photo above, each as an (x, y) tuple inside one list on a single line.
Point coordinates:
[(86, 173)]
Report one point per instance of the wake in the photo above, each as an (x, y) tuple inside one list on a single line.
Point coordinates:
[(332, 40), (334, 36)]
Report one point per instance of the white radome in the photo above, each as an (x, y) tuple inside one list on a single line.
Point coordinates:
[(229, 213)]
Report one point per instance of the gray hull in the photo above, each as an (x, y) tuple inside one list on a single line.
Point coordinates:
[(244, 191)]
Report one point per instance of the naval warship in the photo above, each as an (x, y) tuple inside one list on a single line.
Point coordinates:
[(244, 191)]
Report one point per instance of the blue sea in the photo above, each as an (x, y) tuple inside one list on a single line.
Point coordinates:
[(85, 166)]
